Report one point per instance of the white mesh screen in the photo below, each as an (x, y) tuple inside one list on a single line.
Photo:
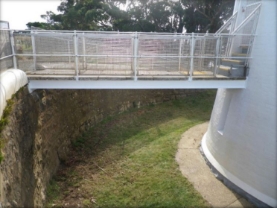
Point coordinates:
[(5, 50)]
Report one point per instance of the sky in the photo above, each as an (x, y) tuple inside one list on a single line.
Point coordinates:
[(19, 12)]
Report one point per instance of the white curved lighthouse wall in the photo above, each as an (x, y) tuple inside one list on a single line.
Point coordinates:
[(241, 140), (11, 81)]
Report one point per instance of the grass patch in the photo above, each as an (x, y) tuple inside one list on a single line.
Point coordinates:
[(129, 160), (52, 190)]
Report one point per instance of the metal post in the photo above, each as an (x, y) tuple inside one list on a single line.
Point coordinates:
[(233, 23), (34, 49), (191, 56), (76, 55), (252, 36), (135, 55), (180, 53), (202, 46), (69, 56), (84, 52), (218, 41), (97, 56), (13, 49)]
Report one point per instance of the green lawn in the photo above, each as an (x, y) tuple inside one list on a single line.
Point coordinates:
[(129, 160)]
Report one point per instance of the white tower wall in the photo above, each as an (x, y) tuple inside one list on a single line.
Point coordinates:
[(241, 140)]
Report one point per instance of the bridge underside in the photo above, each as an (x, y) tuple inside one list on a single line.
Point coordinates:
[(136, 84)]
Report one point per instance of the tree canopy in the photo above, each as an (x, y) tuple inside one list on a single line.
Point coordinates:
[(138, 15)]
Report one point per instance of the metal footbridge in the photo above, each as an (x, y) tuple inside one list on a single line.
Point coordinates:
[(132, 60)]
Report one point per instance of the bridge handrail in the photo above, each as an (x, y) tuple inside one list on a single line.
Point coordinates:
[(231, 20), (185, 53)]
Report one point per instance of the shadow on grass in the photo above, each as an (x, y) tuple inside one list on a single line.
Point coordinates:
[(121, 128)]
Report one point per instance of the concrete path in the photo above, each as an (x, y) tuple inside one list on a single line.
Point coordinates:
[(195, 169)]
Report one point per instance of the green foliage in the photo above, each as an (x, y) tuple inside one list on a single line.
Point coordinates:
[(138, 15), (2, 144), (206, 15), (79, 142), (86, 203), (42, 25), (3, 122), (1, 156), (52, 191)]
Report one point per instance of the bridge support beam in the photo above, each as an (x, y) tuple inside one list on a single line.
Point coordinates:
[(139, 84)]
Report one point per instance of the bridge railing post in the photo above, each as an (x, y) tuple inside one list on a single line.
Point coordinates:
[(34, 50), (217, 54), (84, 52), (135, 54), (13, 49), (76, 55), (69, 52), (191, 56), (180, 52)]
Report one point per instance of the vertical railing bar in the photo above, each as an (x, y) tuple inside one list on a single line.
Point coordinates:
[(96, 51), (135, 55), (191, 54), (180, 53), (34, 49), (218, 42), (84, 52), (76, 55), (13, 49), (233, 23), (202, 46), (252, 35), (229, 46), (68, 48), (132, 52)]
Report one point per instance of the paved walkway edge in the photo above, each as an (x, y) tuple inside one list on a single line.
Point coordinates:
[(256, 202), (197, 170)]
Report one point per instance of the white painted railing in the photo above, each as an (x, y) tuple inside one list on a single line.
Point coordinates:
[(83, 54)]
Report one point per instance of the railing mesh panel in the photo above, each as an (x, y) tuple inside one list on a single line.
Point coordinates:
[(203, 66), (165, 47), (106, 53), (23, 43), (248, 28), (6, 63), (163, 54), (252, 1), (225, 44), (54, 44), (5, 50), (249, 9), (25, 63), (5, 44)]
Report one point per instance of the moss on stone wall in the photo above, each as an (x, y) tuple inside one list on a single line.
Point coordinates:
[(3, 122)]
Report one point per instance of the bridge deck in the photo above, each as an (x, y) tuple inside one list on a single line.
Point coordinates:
[(125, 79), (120, 79)]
